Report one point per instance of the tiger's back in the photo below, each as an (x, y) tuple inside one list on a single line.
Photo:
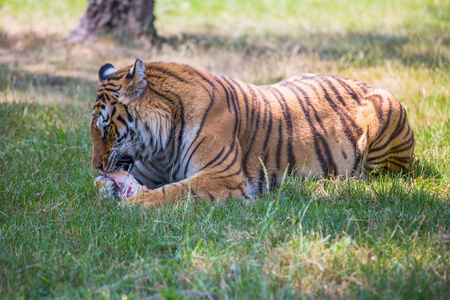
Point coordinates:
[(222, 137), (319, 125)]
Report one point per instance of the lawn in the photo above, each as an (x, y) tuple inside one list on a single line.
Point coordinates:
[(387, 237)]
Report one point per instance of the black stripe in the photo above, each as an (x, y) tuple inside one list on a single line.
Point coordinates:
[(227, 96), (236, 106), (244, 96), (178, 134), (279, 145), (121, 120), (154, 176), (229, 175), (332, 87), (192, 153), (326, 162), (214, 159), (255, 110), (398, 129), (384, 123), (403, 159), (117, 77), (110, 84), (213, 86), (236, 125), (167, 72), (110, 89), (211, 103), (349, 90), (290, 133), (107, 98), (388, 161), (269, 128), (233, 161), (255, 130), (309, 106), (398, 148), (106, 119), (273, 181), (342, 117), (129, 117)]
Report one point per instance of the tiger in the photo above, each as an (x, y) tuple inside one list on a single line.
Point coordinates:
[(181, 131)]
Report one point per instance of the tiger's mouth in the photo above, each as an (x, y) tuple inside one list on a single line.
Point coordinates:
[(125, 163)]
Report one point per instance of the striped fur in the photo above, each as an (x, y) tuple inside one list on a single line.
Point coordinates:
[(186, 131)]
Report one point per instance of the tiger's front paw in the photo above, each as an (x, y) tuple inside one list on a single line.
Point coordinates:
[(144, 197), (105, 187)]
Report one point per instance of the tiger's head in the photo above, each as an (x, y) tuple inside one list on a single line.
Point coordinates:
[(128, 121)]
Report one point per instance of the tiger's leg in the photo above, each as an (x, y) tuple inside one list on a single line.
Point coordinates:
[(393, 145), (360, 170), (105, 187), (206, 185)]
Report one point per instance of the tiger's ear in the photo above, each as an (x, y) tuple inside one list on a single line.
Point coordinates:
[(137, 76), (105, 72)]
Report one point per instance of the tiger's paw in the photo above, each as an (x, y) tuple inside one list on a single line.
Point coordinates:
[(143, 197), (106, 188)]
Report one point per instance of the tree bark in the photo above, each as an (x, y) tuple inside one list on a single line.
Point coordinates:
[(127, 18)]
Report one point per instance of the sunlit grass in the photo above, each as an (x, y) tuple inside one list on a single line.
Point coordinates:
[(387, 237)]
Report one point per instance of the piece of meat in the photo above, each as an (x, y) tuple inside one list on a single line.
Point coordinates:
[(125, 183)]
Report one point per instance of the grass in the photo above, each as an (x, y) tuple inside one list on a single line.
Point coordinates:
[(388, 237)]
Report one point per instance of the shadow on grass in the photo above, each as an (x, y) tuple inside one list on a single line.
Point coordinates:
[(31, 103), (419, 168), (366, 209), (356, 48), (361, 49), (423, 168), (23, 81)]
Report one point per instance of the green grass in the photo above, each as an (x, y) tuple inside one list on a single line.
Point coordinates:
[(387, 237)]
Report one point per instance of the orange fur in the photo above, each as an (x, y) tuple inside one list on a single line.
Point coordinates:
[(218, 137)]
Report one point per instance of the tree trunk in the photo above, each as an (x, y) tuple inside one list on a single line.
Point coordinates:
[(128, 18)]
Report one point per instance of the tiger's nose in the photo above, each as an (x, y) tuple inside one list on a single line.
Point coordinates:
[(97, 163)]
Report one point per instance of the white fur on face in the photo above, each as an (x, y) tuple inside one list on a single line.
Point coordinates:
[(101, 123)]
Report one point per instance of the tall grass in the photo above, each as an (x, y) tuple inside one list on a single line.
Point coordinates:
[(387, 237)]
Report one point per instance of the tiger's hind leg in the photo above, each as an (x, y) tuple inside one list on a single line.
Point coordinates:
[(359, 169), (392, 147)]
